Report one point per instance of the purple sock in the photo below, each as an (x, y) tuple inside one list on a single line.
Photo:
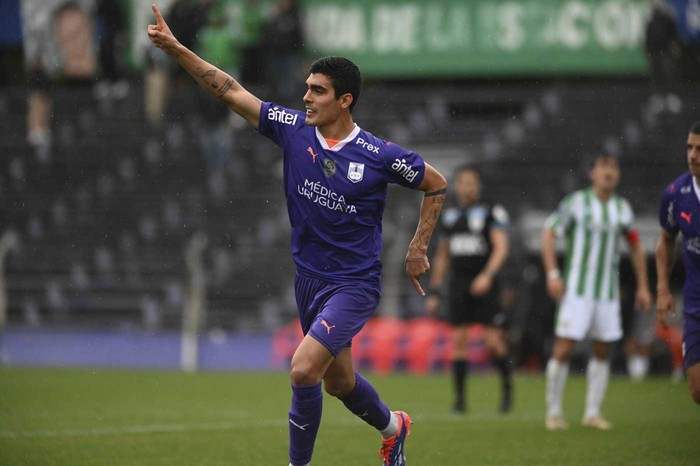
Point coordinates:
[(364, 401), (304, 420)]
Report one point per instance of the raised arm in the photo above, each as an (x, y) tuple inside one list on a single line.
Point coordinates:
[(665, 257), (213, 80), (435, 186)]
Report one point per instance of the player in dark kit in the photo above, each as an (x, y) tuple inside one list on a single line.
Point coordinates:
[(680, 213), (335, 181), (473, 246)]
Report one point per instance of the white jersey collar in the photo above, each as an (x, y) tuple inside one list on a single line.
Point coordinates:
[(696, 187), (353, 134)]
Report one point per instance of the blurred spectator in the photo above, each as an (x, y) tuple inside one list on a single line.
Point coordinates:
[(283, 42), (252, 65), (111, 24), (663, 48), (58, 42), (10, 44), (186, 18)]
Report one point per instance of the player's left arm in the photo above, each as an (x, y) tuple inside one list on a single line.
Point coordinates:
[(638, 256), (499, 253), (434, 185)]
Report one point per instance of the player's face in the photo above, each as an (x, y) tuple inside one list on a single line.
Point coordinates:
[(605, 174), (322, 107), (467, 187), (693, 150)]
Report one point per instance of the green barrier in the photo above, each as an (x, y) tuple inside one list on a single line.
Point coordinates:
[(448, 38), (481, 38)]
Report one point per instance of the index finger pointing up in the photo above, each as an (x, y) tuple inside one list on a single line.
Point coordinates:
[(159, 18)]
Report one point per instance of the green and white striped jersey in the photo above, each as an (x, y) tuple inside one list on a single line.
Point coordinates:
[(592, 230)]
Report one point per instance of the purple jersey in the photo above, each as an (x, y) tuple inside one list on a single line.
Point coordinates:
[(680, 212), (336, 196)]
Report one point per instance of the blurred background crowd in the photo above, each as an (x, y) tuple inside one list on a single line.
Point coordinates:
[(126, 190)]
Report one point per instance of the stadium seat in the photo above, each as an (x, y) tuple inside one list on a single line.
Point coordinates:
[(284, 342), (378, 345), (427, 345)]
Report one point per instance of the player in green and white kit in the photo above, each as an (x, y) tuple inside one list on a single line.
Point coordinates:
[(592, 221)]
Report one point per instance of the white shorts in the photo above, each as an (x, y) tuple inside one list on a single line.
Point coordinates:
[(580, 317)]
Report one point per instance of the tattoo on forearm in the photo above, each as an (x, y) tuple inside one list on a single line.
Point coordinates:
[(208, 76), (224, 89)]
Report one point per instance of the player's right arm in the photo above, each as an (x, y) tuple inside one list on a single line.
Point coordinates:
[(665, 257), (213, 80), (555, 225), (555, 284)]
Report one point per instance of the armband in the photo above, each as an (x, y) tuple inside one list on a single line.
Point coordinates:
[(553, 274)]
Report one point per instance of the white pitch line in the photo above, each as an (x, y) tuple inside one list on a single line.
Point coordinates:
[(247, 424)]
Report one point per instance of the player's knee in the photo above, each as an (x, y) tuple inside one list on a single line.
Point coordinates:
[(303, 375)]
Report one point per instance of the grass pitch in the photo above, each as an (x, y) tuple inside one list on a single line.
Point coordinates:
[(110, 417)]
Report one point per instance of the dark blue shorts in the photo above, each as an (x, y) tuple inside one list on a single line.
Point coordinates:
[(691, 339), (333, 313)]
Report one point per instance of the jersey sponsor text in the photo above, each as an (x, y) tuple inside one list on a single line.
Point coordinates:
[(367, 145), (323, 196), (281, 116), (405, 170)]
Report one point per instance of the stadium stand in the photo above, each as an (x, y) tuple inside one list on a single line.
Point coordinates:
[(104, 217)]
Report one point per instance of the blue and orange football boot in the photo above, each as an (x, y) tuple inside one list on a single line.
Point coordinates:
[(392, 451)]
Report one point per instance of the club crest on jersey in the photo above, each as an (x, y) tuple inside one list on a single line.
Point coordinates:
[(686, 189), (356, 172)]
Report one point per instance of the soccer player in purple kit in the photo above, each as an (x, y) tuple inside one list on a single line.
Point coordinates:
[(335, 181), (680, 212)]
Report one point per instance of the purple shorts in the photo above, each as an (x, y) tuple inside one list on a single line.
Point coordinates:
[(333, 313), (691, 339)]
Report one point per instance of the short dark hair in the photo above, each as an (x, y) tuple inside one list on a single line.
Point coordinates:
[(604, 156), (467, 168), (695, 128), (344, 75)]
